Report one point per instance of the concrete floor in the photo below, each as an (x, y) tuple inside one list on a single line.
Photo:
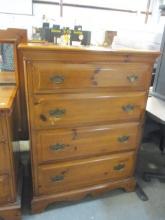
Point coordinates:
[(117, 204)]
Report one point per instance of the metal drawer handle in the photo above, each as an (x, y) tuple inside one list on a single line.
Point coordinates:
[(57, 178), (57, 147), (128, 108), (119, 167), (57, 79), (132, 78), (58, 113), (123, 139)]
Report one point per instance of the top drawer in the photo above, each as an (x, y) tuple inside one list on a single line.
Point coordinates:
[(53, 76)]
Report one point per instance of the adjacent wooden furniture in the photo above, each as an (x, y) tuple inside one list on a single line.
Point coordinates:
[(12, 127), (9, 155), (13, 37), (85, 110)]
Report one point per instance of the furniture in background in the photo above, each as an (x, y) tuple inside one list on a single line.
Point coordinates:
[(10, 125), (11, 72), (85, 110), (10, 204)]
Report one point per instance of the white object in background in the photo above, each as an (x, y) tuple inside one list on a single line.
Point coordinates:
[(156, 107), (23, 7)]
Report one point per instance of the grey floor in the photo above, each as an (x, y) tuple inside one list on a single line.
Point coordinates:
[(115, 205)]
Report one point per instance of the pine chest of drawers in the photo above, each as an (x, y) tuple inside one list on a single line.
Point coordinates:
[(10, 208), (85, 110)]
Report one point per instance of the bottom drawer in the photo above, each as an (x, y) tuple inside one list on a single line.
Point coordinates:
[(66, 176), (5, 194)]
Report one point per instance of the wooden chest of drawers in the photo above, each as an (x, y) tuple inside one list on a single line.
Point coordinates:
[(85, 109), (9, 155)]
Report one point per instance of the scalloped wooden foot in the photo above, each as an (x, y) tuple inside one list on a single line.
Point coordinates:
[(40, 203), (131, 186)]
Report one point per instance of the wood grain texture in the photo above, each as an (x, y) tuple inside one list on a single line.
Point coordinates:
[(65, 110), (5, 193), (82, 142), (85, 108), (93, 49), (9, 153), (11, 211), (51, 76), (15, 36), (62, 177)]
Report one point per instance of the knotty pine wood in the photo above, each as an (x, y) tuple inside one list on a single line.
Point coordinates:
[(68, 144), (89, 103), (9, 154)]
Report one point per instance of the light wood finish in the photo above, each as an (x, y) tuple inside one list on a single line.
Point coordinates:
[(85, 108), (7, 78), (5, 193), (67, 144), (15, 36), (7, 94), (1, 130), (55, 76), (9, 154), (67, 176), (4, 156), (65, 110)]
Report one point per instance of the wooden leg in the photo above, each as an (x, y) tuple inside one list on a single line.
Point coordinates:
[(131, 186), (38, 206), (14, 214)]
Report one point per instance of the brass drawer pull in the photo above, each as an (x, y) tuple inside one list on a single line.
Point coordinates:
[(58, 113), (57, 178), (128, 108), (132, 78), (119, 167), (57, 79), (57, 147), (123, 139)]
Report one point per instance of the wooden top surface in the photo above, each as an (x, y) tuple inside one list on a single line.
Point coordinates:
[(7, 95), (156, 109), (50, 46), (7, 77)]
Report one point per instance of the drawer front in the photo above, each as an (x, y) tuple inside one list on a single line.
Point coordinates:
[(4, 158), (50, 75), (52, 111), (75, 175), (5, 194), (63, 144)]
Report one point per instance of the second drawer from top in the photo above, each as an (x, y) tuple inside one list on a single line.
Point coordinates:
[(68, 110)]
